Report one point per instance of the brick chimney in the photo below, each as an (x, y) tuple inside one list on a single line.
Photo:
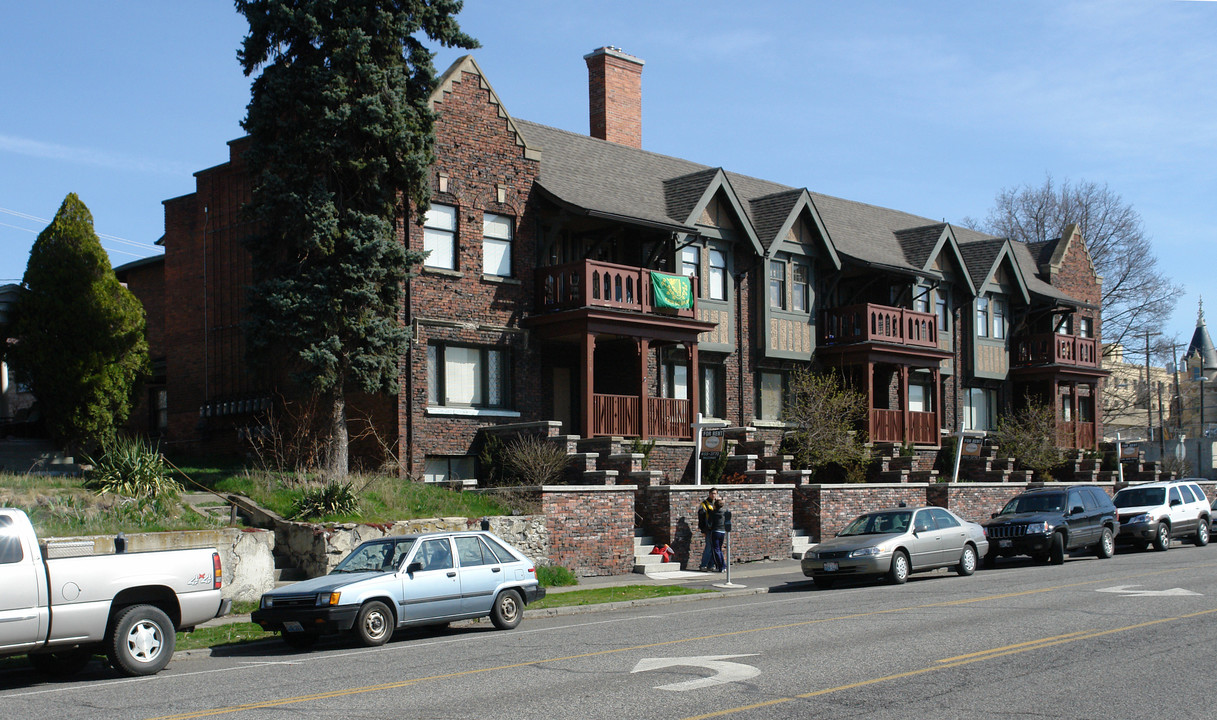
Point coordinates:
[(614, 85)]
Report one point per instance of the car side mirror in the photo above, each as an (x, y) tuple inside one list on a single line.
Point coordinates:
[(993, 515), (414, 567), (1175, 502), (1076, 510)]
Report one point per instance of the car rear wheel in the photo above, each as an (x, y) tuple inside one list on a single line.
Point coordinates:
[(1162, 538), (967, 561), (899, 571), (142, 640), (374, 625), (507, 611), (1056, 553), (1202, 532), (1107, 544)]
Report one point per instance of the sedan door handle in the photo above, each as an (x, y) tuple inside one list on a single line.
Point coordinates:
[(452, 573), (497, 569)]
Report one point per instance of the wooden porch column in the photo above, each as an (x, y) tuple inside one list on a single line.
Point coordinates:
[(644, 396), (694, 381), (1096, 401), (870, 401), (589, 365), (938, 414), (906, 433)]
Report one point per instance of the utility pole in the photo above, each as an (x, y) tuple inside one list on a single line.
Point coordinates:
[(1149, 405)]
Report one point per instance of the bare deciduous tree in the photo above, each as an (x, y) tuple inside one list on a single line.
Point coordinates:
[(1137, 295), (824, 414)]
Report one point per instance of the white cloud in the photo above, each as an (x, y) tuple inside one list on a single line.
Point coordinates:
[(87, 156)]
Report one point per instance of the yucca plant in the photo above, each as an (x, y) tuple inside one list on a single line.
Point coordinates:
[(131, 467), (332, 498)]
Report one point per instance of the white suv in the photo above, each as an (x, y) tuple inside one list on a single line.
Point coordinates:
[(1158, 511)]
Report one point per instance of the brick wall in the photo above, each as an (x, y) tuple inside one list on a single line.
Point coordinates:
[(760, 516), (615, 96), (591, 529)]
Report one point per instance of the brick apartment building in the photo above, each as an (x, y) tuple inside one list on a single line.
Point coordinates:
[(537, 301)]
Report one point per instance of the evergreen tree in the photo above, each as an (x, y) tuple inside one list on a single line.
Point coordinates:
[(79, 333), (342, 146)]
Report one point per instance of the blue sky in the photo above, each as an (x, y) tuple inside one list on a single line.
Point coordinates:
[(926, 107)]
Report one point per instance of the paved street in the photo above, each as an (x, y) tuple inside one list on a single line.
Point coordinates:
[(1120, 638)]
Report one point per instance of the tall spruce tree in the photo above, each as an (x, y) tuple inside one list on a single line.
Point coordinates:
[(342, 140), (79, 333)]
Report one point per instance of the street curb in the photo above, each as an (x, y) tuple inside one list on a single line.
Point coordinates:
[(542, 613)]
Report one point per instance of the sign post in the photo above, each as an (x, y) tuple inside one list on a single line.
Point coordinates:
[(710, 440)]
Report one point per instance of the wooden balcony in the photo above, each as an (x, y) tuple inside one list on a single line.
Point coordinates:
[(590, 283), (619, 415), (1055, 349), (888, 426), (879, 323)]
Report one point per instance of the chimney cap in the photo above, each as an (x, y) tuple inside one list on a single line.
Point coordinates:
[(613, 52)]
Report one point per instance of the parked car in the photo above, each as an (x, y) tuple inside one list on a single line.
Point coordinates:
[(406, 580), (1045, 523), (1156, 512), (60, 611), (896, 542)]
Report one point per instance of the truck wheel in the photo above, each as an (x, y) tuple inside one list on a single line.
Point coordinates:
[(1056, 553), (142, 640), (1107, 545), (375, 623), (61, 664), (507, 610), (1162, 537), (1202, 532)]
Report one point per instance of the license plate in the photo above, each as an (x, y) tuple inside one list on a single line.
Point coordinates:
[(1004, 543), (292, 626), (830, 567)]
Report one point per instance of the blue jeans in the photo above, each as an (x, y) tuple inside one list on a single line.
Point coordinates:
[(716, 546), (707, 555)]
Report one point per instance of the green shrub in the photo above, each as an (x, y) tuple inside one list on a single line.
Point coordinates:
[(643, 447), (555, 576), (131, 467), (332, 498)]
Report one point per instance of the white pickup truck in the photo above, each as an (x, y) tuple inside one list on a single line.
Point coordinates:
[(129, 606)]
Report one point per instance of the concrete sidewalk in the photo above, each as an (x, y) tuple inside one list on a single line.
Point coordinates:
[(752, 578)]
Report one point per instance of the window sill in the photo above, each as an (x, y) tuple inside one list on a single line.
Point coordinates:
[(442, 271), (501, 279), (471, 412), (757, 422)]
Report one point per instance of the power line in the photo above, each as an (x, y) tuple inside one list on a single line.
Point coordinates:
[(104, 236)]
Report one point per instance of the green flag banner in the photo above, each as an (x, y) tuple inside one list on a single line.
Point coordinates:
[(672, 291)]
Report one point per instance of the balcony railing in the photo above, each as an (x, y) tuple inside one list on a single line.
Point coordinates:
[(879, 323), (1079, 435), (1056, 349), (887, 426), (590, 283), (618, 415)]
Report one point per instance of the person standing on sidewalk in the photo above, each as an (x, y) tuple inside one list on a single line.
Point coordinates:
[(718, 532), (704, 513)]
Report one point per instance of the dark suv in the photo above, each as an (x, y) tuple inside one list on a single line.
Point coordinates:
[(1045, 523)]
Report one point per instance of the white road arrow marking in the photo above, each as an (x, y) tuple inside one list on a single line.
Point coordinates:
[(1127, 591), (724, 672)]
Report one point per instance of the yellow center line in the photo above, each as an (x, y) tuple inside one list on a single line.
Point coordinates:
[(1011, 647), (803, 623), (954, 663)]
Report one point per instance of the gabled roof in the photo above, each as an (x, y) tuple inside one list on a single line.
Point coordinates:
[(775, 217), (986, 256), (1026, 254), (681, 194)]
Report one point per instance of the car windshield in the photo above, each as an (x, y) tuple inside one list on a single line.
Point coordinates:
[(1137, 497), (375, 556), (1040, 502), (879, 523)]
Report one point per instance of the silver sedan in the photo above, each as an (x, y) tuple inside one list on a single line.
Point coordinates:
[(896, 542)]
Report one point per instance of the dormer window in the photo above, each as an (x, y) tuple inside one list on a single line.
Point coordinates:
[(718, 274), (800, 297), (982, 316), (777, 284)]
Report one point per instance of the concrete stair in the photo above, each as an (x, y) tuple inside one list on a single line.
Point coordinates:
[(644, 562), (36, 457), (285, 573), (800, 543)]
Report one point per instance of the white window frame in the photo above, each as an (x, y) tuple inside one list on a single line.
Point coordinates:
[(717, 279), (980, 411), (498, 234), (467, 376), (800, 300), (439, 237), (998, 307), (982, 316), (765, 394), (777, 284)]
